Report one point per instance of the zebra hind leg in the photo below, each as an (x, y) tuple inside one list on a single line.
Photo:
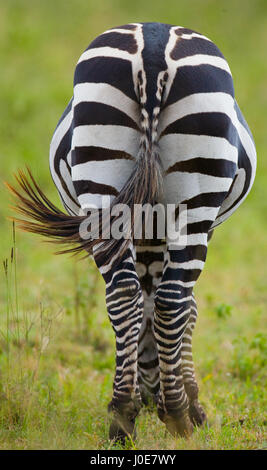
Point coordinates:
[(172, 313), (196, 411), (124, 302)]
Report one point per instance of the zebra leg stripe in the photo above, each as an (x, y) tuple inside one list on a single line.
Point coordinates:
[(124, 302), (172, 314), (196, 412)]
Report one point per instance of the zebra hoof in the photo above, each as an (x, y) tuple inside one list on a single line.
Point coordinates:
[(197, 413), (178, 424)]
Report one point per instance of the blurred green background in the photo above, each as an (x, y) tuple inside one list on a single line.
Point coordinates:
[(56, 345)]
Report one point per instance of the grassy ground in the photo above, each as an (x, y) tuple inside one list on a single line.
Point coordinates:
[(56, 344)]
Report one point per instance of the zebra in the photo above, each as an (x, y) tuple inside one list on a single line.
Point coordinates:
[(153, 119)]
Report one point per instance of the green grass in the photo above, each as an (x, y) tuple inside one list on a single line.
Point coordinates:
[(56, 344)]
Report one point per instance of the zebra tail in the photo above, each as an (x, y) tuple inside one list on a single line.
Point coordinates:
[(41, 216), (144, 186)]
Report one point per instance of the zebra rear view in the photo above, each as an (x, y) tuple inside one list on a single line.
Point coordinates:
[(153, 122)]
